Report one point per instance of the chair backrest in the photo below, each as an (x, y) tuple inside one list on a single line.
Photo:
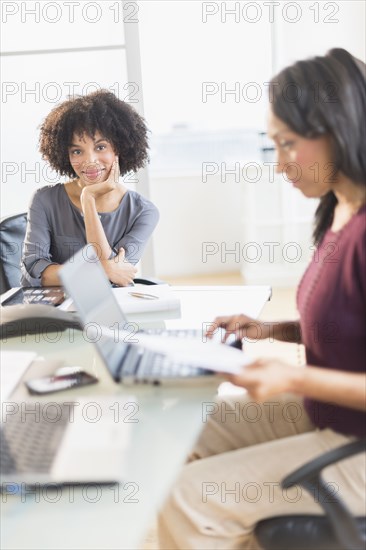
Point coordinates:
[(12, 233)]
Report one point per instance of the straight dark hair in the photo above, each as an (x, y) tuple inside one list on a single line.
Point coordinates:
[(327, 96)]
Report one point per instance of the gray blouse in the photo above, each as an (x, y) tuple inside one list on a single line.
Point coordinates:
[(56, 230)]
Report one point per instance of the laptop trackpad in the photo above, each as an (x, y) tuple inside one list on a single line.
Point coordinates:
[(95, 443)]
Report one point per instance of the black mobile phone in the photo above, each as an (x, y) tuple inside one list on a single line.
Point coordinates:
[(51, 384)]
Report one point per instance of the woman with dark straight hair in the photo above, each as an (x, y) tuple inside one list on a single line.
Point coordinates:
[(292, 414), (333, 105)]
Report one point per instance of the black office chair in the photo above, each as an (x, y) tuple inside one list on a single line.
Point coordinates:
[(337, 530), (12, 233)]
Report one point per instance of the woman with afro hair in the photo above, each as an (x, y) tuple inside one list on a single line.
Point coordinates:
[(93, 140)]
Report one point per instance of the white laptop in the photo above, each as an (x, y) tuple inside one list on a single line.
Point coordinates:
[(86, 282), (53, 442)]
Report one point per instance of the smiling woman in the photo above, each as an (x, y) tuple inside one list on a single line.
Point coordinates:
[(93, 140)]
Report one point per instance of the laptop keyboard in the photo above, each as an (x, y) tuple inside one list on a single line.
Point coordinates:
[(29, 440), (176, 333), (151, 367), (157, 365)]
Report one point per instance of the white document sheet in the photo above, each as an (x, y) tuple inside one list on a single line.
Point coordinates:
[(164, 299), (13, 365), (211, 355)]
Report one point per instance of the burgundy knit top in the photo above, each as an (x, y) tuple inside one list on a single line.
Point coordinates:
[(331, 300)]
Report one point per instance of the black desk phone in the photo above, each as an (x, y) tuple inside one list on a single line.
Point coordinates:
[(32, 311)]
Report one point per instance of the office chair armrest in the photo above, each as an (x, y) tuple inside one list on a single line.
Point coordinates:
[(309, 477), (149, 281), (315, 466)]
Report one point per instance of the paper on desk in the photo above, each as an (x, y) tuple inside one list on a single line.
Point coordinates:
[(13, 366), (167, 299), (209, 355)]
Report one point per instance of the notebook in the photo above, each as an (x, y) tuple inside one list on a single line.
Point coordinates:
[(162, 298), (86, 282)]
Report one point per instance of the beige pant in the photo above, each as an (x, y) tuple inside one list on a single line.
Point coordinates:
[(245, 450)]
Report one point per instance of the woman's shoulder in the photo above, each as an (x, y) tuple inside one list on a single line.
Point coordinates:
[(352, 232), (136, 198), (360, 226), (360, 220), (138, 202), (357, 229), (354, 239), (48, 192)]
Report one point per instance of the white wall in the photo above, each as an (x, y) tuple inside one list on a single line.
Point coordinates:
[(321, 26), (198, 223), (35, 78), (175, 62)]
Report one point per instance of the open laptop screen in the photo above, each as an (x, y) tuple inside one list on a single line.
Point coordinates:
[(86, 283)]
